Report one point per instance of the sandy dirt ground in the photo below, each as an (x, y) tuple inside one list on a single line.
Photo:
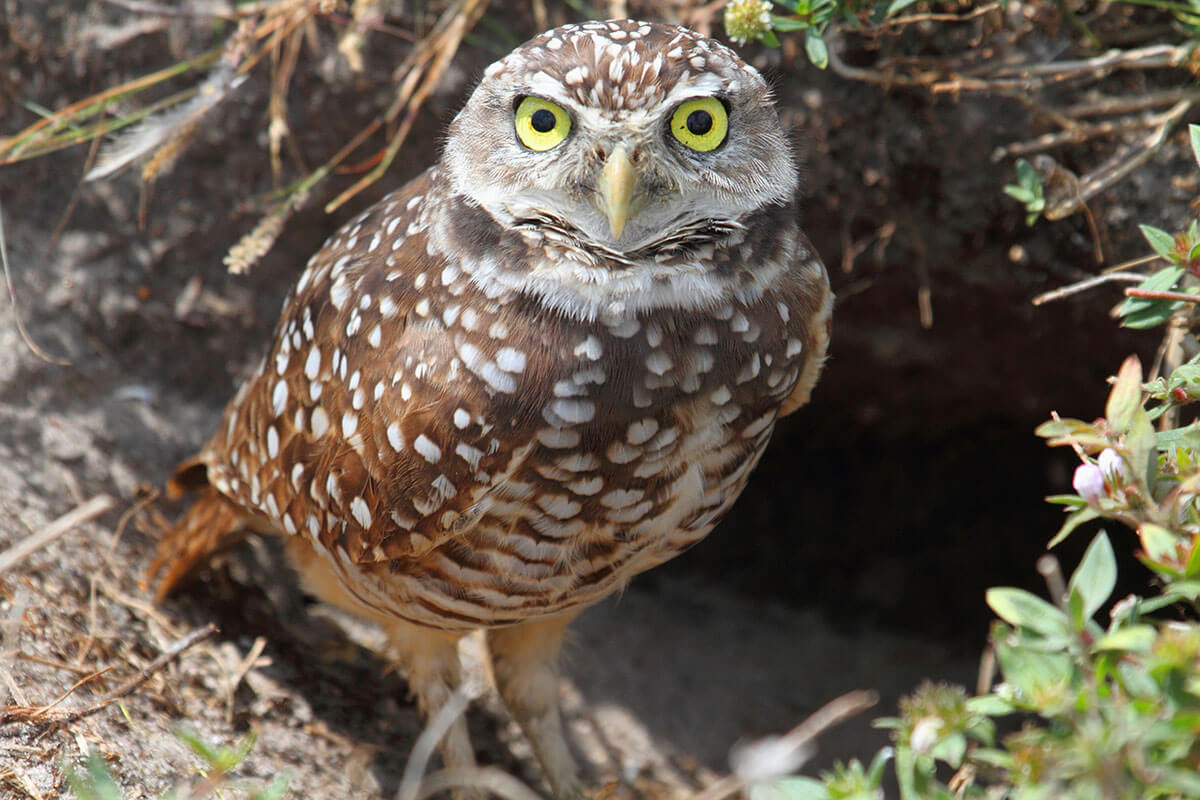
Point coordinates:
[(868, 508)]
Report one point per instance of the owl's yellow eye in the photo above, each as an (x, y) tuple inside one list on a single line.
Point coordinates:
[(700, 124), (541, 124)]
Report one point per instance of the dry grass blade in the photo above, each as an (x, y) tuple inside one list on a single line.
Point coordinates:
[(46, 135), (10, 715), (167, 134), (12, 296), (424, 69), (72, 519)]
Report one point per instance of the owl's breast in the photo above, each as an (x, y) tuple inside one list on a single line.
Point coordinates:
[(611, 445)]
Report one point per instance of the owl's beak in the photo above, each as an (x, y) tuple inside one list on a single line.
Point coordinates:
[(617, 183)]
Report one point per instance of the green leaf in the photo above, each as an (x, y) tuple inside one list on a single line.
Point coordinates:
[(1022, 194), (794, 788), (1126, 395), (1185, 590), (1033, 679), (950, 749), (787, 24), (1194, 134), (1157, 541), (989, 704), (1140, 312), (896, 6), (1064, 426), (770, 39), (815, 47), (1073, 521), (1188, 437), (1096, 576), (1141, 443), (275, 790), (1152, 604), (906, 772), (1001, 759), (1191, 567), (1183, 782), (878, 764), (1162, 242), (1023, 609), (210, 754), (97, 784), (1135, 638)]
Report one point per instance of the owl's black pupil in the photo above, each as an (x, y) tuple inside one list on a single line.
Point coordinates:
[(699, 122), (542, 120)]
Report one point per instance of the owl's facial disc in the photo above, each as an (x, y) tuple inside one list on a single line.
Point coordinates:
[(621, 140)]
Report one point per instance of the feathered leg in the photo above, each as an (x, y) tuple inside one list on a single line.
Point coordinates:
[(429, 656), (525, 666)]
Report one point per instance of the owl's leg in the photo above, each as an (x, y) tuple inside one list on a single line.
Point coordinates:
[(429, 655), (434, 671), (525, 666)]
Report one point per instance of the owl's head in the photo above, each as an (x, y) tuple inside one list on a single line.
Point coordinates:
[(621, 134)]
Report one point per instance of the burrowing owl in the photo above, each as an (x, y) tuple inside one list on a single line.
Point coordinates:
[(545, 365)]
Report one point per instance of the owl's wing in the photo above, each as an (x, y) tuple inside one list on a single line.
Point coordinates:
[(355, 433), (812, 297)]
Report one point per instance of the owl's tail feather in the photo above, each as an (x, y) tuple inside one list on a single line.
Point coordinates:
[(210, 526)]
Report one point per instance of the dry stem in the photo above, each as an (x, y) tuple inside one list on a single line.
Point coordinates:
[(48, 715), (31, 544)]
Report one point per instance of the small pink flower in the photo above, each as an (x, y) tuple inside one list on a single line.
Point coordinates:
[(1089, 482), (1112, 466)]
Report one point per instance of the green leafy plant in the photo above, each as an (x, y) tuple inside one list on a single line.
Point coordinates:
[(1028, 191), (95, 782), (1106, 704), (755, 20)]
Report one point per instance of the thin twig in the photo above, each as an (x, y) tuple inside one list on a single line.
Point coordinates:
[(1151, 294), (1111, 106), (1160, 55), (1087, 283), (129, 514), (1122, 163), (1132, 263), (31, 544), (47, 715), (1051, 572), (1079, 133), (936, 17), (832, 713)]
